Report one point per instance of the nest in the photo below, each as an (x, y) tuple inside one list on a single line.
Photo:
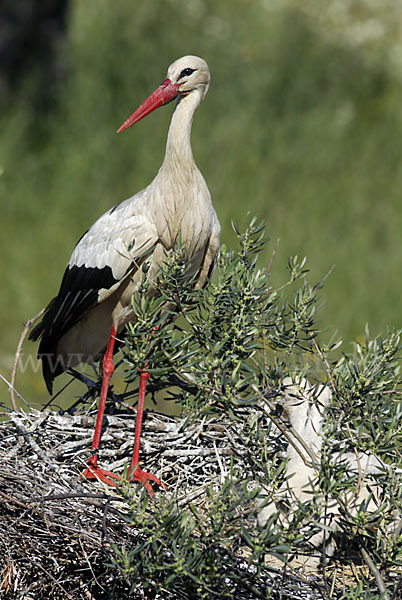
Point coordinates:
[(59, 531)]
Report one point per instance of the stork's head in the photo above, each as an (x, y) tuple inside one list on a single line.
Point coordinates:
[(189, 73), (186, 75)]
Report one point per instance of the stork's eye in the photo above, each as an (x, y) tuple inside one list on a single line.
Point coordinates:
[(186, 73)]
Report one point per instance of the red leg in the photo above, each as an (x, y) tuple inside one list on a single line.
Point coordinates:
[(93, 471), (135, 472)]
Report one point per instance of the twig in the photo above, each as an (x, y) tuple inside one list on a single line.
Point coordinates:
[(23, 430), (10, 499), (378, 577), (54, 580), (27, 326), (271, 261), (248, 586), (88, 499), (53, 398), (285, 430), (86, 591), (73, 495), (198, 452), (11, 388), (327, 366), (106, 508)]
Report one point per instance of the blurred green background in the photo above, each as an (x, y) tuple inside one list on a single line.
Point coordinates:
[(302, 126)]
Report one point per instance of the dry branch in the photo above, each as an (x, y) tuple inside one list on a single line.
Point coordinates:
[(27, 326)]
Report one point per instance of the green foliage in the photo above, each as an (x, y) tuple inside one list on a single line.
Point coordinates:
[(225, 350), (225, 327), (195, 550), (366, 385)]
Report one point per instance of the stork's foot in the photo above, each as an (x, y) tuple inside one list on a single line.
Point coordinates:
[(94, 472), (145, 478)]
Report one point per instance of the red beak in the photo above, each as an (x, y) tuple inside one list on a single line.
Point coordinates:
[(166, 92)]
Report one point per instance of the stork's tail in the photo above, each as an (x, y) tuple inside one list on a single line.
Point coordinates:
[(52, 365)]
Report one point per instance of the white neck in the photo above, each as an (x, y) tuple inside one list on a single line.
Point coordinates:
[(179, 156)]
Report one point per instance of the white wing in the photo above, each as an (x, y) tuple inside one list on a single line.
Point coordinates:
[(117, 238)]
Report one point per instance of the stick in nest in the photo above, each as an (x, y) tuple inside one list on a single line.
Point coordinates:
[(27, 326)]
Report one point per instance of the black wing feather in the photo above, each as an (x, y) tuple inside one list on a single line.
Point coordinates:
[(78, 294)]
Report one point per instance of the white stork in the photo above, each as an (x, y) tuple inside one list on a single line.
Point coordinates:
[(94, 301)]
